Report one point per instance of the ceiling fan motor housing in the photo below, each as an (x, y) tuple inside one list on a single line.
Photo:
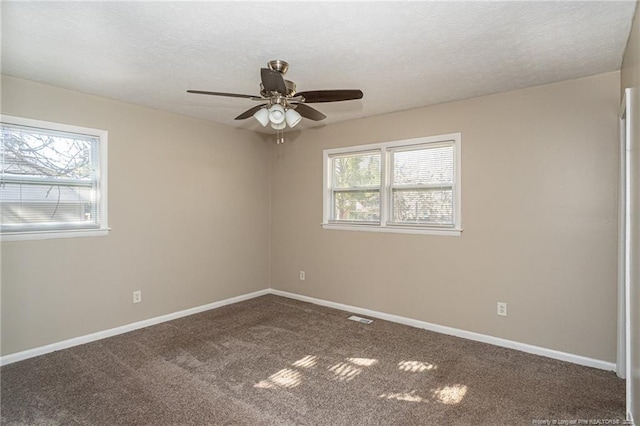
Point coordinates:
[(291, 89)]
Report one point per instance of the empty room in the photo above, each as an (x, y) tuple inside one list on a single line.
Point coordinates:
[(320, 213)]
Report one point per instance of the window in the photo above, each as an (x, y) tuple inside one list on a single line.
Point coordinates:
[(53, 181), (410, 186)]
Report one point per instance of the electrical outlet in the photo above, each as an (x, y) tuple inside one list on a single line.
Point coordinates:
[(137, 296), (502, 309), (302, 276)]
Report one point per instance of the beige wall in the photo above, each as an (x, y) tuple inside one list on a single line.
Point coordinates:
[(539, 212), (630, 78), (539, 216), (189, 209)]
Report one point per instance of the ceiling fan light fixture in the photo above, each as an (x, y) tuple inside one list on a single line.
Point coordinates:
[(293, 117), (276, 115), (262, 115), (278, 126)]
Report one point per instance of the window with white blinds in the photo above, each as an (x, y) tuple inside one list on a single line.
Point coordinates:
[(408, 186), (52, 180)]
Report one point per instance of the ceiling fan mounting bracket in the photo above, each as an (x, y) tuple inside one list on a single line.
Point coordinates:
[(278, 65)]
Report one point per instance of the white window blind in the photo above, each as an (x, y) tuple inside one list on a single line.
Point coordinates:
[(401, 186), (422, 184), (51, 179)]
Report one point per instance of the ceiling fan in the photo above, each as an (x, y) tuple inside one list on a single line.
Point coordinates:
[(282, 104)]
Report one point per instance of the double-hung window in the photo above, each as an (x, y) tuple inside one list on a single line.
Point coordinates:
[(53, 180), (410, 186)]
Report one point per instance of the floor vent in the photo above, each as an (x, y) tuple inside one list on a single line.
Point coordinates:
[(359, 319)]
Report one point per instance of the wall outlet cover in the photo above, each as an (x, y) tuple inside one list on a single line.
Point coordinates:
[(502, 309)]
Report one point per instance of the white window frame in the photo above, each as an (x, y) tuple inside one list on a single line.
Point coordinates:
[(454, 139), (103, 228)]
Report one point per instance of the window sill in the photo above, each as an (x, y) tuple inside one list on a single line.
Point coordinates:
[(47, 235), (451, 232)]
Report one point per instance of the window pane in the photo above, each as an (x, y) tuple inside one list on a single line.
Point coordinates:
[(38, 152), (423, 166), (356, 206), (356, 171), (433, 206), (37, 206)]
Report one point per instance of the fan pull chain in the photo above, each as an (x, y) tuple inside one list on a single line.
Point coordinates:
[(279, 137)]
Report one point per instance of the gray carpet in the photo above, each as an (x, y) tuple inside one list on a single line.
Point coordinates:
[(276, 361)]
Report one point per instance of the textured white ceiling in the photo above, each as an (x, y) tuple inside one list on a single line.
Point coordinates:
[(400, 54)]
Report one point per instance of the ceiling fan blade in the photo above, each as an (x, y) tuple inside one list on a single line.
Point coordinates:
[(273, 81), (316, 96), (231, 95), (249, 113), (311, 113)]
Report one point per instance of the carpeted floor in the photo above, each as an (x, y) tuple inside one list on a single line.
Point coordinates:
[(276, 361)]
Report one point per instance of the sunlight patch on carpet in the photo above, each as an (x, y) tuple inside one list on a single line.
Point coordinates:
[(450, 395), (284, 378), (403, 396), (415, 366), (363, 362), (308, 361), (346, 371)]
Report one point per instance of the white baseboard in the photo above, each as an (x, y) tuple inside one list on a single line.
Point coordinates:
[(537, 350), (30, 353), (550, 353), (630, 418)]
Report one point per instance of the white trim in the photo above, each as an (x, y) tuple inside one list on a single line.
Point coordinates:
[(47, 235), (536, 350), (623, 240), (385, 189), (550, 353), (103, 180), (630, 418), (405, 142), (630, 114), (49, 125), (393, 229), (30, 353)]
